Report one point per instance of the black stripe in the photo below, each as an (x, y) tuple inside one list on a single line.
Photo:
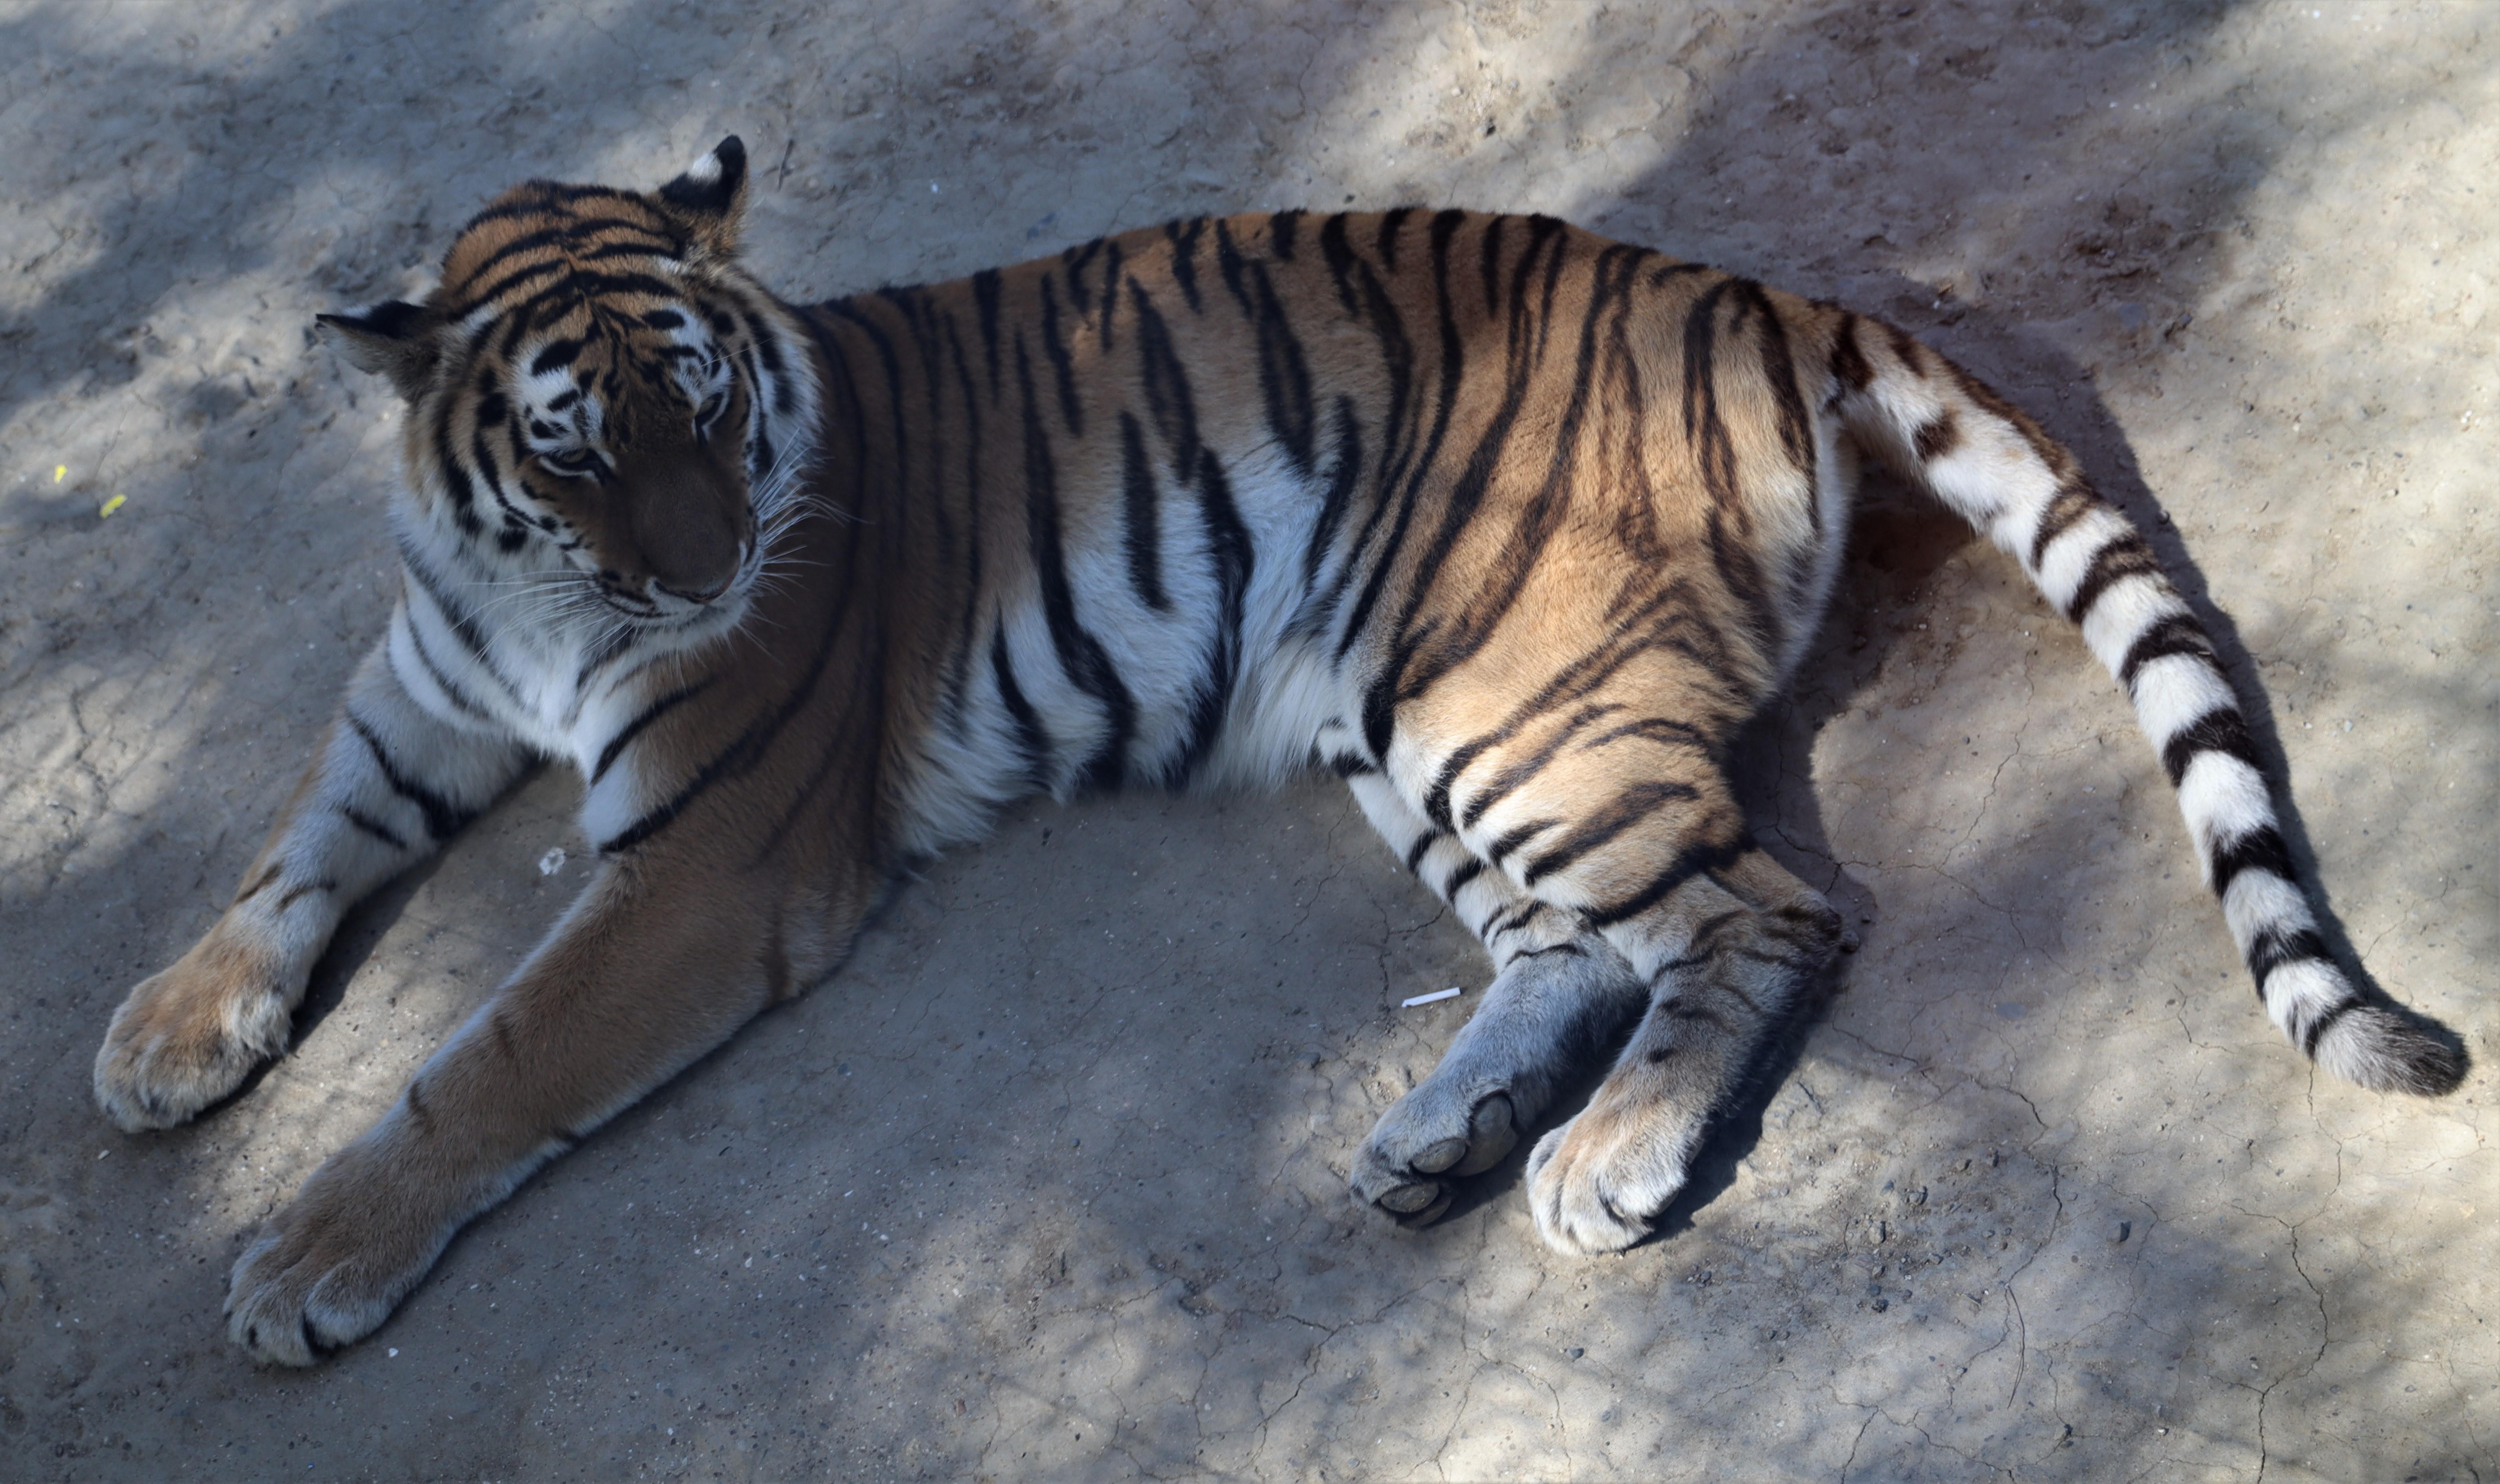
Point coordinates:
[(1380, 698), (442, 818), (2178, 634), (1143, 529), (1703, 427), (434, 672), (1656, 623), (1659, 730), (1693, 859), (1422, 847), (1779, 369), (1184, 237), (1231, 554), (1386, 243), (370, 826), (2272, 947), (1478, 617), (985, 296), (1489, 261), (258, 886), (1080, 654), (1849, 365), (1937, 437), (1398, 360), (1625, 810), (1284, 380), (2220, 730), (608, 755), (2073, 501), (1338, 254), (1280, 229), (968, 609), (1061, 363), (1516, 836), (1507, 782), (1110, 290), (2316, 1030), (2261, 848), (610, 647), (455, 480), (1469, 870), (1076, 258), (1030, 740), (1343, 473), (555, 356), (1516, 920), (1228, 263), (2129, 556), (767, 347), (897, 406)]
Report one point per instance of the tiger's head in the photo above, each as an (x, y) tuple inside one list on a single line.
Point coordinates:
[(603, 405)]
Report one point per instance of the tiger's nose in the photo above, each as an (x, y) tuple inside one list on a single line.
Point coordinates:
[(706, 594)]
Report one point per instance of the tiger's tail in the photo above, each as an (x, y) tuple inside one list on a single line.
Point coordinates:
[(1939, 427)]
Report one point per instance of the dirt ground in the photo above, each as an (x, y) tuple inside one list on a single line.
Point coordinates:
[(1048, 1184)]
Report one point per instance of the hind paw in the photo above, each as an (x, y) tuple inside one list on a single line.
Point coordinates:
[(1433, 1136), (1599, 1182)]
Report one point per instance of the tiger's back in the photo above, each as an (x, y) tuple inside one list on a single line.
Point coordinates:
[(1232, 492)]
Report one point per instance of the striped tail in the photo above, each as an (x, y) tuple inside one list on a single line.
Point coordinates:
[(1941, 428)]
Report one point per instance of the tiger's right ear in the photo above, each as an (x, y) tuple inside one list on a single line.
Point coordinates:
[(393, 338)]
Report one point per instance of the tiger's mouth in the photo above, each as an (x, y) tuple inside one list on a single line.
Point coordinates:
[(656, 603)]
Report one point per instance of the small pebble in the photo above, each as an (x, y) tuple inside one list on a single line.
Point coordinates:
[(1575, 1352), (2123, 1228)]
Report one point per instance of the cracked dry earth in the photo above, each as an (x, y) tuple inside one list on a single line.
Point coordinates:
[(1049, 1182)]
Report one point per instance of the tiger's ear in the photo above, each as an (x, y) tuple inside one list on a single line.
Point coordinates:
[(709, 200), (394, 339)]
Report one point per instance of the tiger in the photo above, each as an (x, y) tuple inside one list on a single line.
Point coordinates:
[(1511, 526)]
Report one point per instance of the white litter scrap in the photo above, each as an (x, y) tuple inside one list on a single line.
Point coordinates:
[(552, 862), (1450, 993)]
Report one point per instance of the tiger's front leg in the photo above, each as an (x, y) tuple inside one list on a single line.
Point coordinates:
[(389, 784), (658, 963)]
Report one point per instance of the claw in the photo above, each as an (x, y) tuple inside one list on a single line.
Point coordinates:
[(1407, 1199), (1491, 1136)]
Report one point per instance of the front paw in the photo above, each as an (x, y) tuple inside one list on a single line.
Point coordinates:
[(190, 1036), (328, 1270), (1434, 1134), (1599, 1182)]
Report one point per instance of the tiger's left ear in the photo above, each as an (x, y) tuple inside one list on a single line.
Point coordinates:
[(711, 198), (394, 339)]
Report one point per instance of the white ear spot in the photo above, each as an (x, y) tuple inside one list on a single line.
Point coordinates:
[(705, 171)]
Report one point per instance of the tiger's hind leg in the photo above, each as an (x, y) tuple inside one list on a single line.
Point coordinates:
[(1748, 941), (1558, 992)]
